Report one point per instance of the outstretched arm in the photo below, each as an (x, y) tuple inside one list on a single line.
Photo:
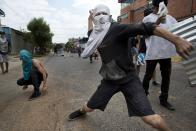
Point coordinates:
[(183, 47)]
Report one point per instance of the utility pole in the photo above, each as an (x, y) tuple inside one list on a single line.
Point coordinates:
[(1, 14)]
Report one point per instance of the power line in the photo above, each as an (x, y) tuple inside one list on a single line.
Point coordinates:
[(17, 14)]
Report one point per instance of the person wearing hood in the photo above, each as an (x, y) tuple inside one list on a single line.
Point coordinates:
[(118, 72), (159, 50), (34, 73)]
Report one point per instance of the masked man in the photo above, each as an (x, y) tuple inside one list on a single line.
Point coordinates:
[(118, 72), (34, 73)]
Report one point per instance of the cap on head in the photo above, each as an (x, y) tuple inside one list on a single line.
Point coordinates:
[(156, 2), (101, 8)]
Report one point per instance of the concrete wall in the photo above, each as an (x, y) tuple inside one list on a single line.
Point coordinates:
[(18, 43)]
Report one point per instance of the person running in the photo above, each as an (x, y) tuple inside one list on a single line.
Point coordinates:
[(160, 51), (3, 52), (34, 73), (118, 72)]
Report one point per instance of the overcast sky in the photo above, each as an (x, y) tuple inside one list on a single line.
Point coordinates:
[(67, 18)]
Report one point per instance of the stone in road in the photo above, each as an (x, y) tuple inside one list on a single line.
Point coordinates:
[(71, 82)]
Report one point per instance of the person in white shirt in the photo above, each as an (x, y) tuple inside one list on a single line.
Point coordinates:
[(159, 50)]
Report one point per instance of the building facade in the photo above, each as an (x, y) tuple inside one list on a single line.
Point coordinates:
[(81, 41), (16, 41), (133, 12)]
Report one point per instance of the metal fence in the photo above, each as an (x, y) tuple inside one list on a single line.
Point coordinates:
[(187, 30)]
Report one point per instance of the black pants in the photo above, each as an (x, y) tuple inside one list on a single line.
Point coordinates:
[(165, 67), (35, 80)]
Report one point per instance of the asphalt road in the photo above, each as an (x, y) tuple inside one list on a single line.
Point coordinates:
[(71, 82)]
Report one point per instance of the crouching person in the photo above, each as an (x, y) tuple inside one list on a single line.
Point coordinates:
[(33, 74)]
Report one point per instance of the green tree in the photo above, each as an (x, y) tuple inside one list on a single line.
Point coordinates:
[(27, 36), (40, 34), (69, 46)]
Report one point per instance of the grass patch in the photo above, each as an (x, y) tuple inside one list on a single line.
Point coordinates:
[(36, 55), (176, 59)]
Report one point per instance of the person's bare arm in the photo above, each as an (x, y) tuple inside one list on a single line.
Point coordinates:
[(42, 70), (183, 47), (90, 21)]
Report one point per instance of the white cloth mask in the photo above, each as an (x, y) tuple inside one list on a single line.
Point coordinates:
[(100, 21), (101, 26), (163, 11)]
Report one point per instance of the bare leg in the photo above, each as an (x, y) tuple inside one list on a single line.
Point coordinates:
[(79, 113), (156, 122), (2, 67), (25, 87), (86, 109), (44, 89)]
